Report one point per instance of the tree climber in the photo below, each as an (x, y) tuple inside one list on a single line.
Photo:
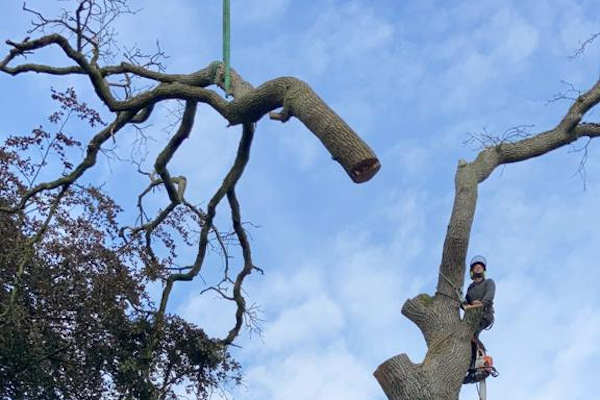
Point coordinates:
[(480, 294)]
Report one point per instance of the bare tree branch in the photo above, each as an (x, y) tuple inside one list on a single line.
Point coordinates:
[(294, 95), (247, 270), (486, 139), (228, 184), (88, 162), (583, 45)]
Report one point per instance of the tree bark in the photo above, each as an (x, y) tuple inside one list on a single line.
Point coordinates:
[(448, 338)]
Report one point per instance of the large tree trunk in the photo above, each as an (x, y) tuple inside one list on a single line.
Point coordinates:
[(448, 336)]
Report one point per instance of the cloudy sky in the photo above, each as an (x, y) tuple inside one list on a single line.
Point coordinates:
[(414, 78)]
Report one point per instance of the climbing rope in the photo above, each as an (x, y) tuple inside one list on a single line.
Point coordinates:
[(457, 290), (227, 43)]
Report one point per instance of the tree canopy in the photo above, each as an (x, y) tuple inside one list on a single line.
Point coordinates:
[(76, 317)]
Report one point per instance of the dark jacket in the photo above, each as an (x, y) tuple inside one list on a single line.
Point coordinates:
[(483, 291)]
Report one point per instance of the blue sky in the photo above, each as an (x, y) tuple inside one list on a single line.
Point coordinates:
[(413, 78)]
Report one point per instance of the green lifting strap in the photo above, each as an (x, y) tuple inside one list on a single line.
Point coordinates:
[(226, 43)]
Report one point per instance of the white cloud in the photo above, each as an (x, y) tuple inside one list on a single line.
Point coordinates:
[(208, 154), (214, 314), (343, 33), (412, 159), (292, 286), (254, 12), (318, 318), (181, 27), (464, 65), (318, 373), (367, 282), (518, 40), (299, 143), (342, 36)]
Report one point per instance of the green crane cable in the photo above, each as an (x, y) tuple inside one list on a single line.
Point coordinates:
[(226, 43)]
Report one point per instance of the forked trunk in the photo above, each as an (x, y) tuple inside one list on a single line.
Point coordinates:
[(448, 337)]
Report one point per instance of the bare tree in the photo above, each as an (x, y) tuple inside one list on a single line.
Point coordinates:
[(440, 375)]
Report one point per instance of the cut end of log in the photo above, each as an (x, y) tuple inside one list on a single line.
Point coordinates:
[(282, 116), (397, 377), (365, 170)]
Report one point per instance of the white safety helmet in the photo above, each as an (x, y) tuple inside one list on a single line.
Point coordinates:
[(479, 260)]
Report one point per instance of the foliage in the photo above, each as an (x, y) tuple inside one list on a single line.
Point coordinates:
[(75, 317)]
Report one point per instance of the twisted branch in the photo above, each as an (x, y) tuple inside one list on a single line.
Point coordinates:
[(247, 270), (228, 184), (249, 105)]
